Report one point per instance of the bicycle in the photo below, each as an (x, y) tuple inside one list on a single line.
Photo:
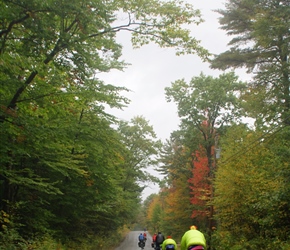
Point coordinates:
[(157, 247), (141, 244)]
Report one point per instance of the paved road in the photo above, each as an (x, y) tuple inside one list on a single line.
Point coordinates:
[(131, 242)]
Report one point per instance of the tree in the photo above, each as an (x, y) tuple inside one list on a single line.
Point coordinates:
[(69, 179), (251, 213), (55, 131), (48, 49), (142, 147), (154, 213), (260, 43), (69, 37), (200, 186), (207, 104), (177, 207), (176, 166)]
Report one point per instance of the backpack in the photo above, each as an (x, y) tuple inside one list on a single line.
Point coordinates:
[(141, 237), (159, 238), (170, 247)]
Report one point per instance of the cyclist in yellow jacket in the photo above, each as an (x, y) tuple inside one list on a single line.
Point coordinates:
[(193, 239), (169, 244)]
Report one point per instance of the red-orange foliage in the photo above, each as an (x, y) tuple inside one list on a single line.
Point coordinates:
[(200, 185)]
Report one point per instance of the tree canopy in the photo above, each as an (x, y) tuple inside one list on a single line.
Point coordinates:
[(63, 156), (71, 173), (260, 42)]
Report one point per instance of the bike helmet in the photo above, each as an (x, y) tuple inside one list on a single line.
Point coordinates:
[(193, 227)]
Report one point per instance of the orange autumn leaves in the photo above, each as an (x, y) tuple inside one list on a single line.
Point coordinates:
[(200, 185)]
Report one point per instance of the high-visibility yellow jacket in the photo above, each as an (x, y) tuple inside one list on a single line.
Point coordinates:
[(192, 237), (168, 242)]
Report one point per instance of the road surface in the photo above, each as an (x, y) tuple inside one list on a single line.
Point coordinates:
[(131, 242)]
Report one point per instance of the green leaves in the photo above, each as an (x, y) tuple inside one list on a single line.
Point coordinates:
[(142, 149), (248, 208), (59, 151), (207, 98), (260, 43)]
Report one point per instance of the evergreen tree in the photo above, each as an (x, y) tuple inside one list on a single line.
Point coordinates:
[(260, 31)]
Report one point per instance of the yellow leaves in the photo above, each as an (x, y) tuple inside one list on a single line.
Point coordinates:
[(89, 183), (247, 187), (152, 205), (4, 219)]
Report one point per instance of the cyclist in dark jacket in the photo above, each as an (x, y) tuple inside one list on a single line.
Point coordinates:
[(159, 240)]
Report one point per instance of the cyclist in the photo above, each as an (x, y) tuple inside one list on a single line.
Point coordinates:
[(169, 244), (159, 240), (153, 244), (141, 242), (145, 236), (193, 239)]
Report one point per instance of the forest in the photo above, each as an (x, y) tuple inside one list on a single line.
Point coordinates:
[(72, 173)]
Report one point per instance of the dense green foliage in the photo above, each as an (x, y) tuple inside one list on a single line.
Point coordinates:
[(67, 172)]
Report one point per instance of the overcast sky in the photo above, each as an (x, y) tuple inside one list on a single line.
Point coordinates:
[(152, 69)]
